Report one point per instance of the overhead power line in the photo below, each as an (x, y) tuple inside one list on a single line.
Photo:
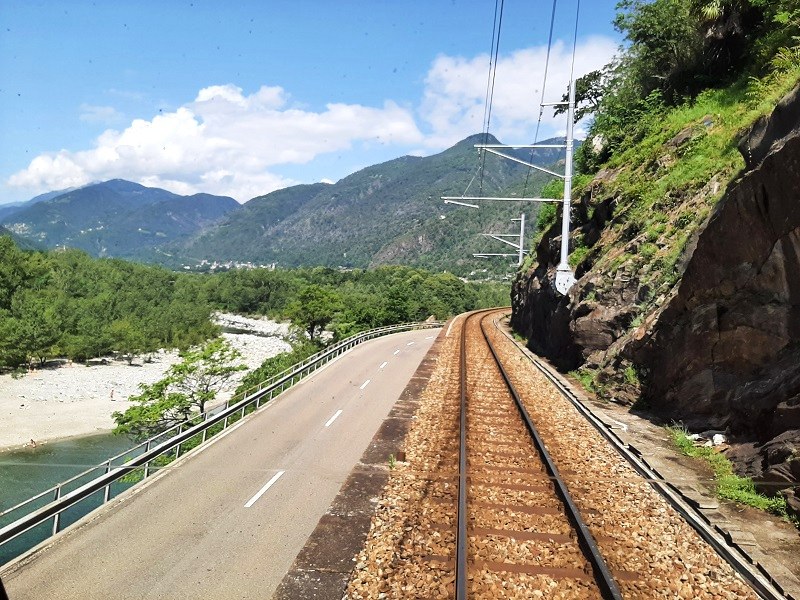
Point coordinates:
[(493, 56)]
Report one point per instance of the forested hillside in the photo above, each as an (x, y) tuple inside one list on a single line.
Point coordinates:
[(684, 233), (389, 213), (114, 218), (67, 304)]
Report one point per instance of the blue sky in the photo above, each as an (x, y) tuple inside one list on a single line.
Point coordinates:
[(241, 98)]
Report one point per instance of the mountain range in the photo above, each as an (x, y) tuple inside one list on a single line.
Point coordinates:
[(115, 218), (388, 213)]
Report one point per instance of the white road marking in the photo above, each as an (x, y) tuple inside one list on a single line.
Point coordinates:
[(333, 418), (410, 344), (384, 364), (396, 352), (430, 337), (264, 489), (365, 384)]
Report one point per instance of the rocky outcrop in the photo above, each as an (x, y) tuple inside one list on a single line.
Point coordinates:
[(721, 348)]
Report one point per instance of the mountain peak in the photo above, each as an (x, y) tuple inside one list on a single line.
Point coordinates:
[(478, 138)]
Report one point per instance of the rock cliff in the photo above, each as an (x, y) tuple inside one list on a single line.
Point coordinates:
[(714, 343)]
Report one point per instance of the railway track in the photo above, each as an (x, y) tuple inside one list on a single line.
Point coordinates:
[(508, 492), (515, 513)]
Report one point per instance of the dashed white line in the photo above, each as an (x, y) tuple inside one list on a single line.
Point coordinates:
[(430, 337), (410, 343), (264, 489), (365, 384), (396, 352), (333, 418), (383, 364)]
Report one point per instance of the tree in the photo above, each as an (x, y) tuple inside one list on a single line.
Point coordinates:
[(128, 338), (35, 325), (314, 308), (186, 388), (589, 91)]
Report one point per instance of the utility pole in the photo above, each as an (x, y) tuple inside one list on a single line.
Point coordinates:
[(565, 278)]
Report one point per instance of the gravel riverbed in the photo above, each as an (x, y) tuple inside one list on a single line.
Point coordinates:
[(68, 399)]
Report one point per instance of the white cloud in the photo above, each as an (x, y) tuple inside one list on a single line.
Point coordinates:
[(228, 142), (453, 106), (224, 142), (106, 115)]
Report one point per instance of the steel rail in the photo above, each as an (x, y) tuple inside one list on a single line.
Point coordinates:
[(53, 509), (461, 530), (605, 580), (461, 525), (761, 581)]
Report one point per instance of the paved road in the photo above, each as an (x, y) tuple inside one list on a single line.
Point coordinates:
[(214, 527)]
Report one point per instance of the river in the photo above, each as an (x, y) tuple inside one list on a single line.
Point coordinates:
[(29, 471)]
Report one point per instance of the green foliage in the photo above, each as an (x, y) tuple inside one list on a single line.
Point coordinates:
[(631, 375), (578, 255), (728, 485), (589, 90), (664, 184), (679, 49), (68, 304), (252, 291), (314, 308), (548, 211), (276, 364), (64, 303), (547, 217), (587, 379), (186, 389)]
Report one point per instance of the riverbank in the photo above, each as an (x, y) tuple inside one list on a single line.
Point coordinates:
[(69, 399)]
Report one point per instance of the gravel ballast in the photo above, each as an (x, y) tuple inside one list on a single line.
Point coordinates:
[(410, 548)]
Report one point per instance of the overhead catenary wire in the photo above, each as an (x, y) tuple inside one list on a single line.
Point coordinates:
[(487, 107), (574, 43), (544, 88)]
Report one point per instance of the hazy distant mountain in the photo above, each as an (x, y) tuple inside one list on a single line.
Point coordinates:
[(387, 213), (6, 210), (115, 218)]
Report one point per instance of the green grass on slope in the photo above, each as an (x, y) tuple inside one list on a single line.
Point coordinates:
[(666, 179), (728, 485)]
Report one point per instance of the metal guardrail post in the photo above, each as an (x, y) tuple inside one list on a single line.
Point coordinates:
[(107, 491), (57, 516), (178, 447), (147, 464)]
